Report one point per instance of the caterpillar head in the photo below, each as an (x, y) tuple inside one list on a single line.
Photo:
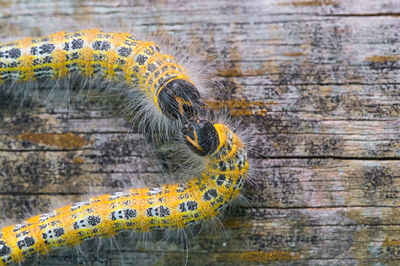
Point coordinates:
[(179, 99), (201, 136)]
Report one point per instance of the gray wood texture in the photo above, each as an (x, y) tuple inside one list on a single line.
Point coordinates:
[(317, 80)]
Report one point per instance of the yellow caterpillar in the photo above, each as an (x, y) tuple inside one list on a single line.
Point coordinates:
[(170, 206), (95, 54)]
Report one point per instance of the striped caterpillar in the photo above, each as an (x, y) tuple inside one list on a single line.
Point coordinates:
[(95, 54)]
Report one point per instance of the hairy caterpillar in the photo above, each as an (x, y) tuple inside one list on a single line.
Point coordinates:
[(117, 58), (170, 206), (141, 210)]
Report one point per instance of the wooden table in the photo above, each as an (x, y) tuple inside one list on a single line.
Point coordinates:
[(317, 81)]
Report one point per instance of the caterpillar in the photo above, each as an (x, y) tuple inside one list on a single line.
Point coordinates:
[(142, 210), (120, 58)]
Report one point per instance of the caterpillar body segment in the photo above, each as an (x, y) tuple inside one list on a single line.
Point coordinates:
[(114, 57), (173, 206)]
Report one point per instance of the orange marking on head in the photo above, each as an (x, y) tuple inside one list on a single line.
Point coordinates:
[(165, 84), (194, 142), (181, 102)]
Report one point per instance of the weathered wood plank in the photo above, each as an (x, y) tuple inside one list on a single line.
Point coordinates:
[(316, 80)]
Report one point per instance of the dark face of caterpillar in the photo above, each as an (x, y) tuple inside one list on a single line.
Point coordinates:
[(201, 137), (179, 99)]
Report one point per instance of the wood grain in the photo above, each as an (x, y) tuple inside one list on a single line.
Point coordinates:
[(317, 80)]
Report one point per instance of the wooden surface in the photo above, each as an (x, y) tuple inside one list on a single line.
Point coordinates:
[(317, 79)]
